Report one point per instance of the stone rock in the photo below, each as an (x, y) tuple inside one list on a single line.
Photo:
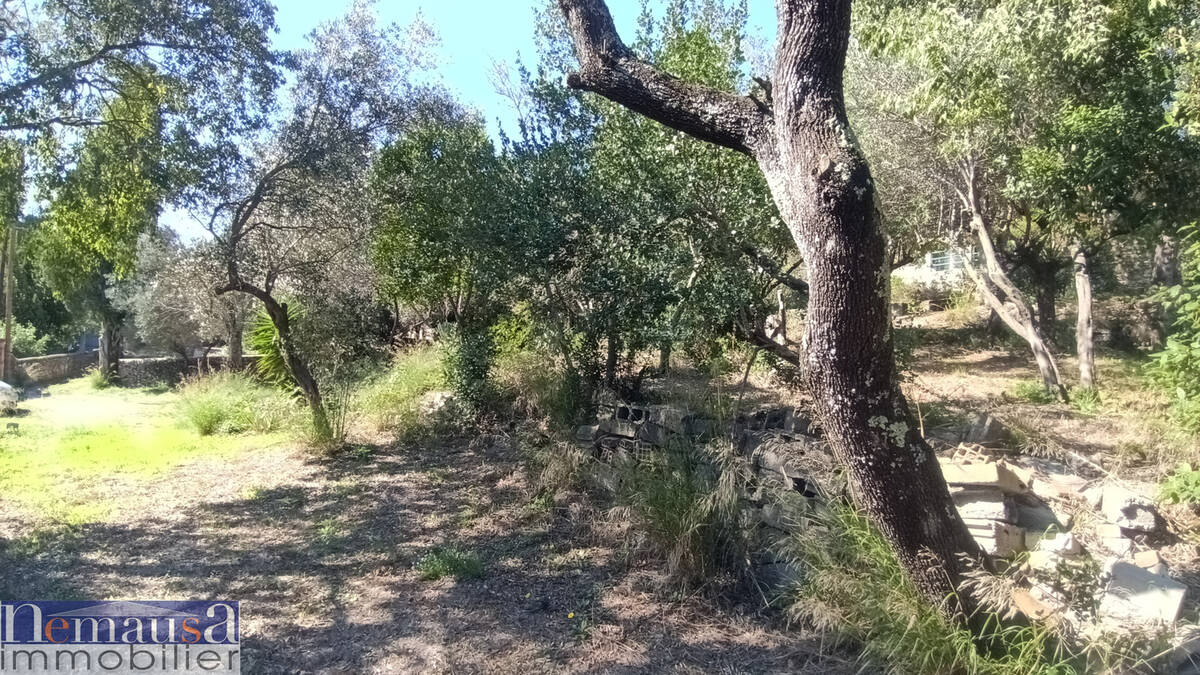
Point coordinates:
[(1030, 606), (1058, 486), (1093, 496), (434, 402), (1063, 543), (983, 429), (1130, 510), (983, 474), (1035, 516), (1137, 595), (8, 397)]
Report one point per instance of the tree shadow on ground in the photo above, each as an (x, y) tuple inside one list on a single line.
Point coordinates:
[(324, 569)]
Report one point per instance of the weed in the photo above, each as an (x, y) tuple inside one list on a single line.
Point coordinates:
[(1182, 486), (98, 379), (1086, 401), (328, 531), (687, 501), (449, 561), (1032, 391)]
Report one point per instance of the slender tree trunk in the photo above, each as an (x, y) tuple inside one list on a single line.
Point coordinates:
[(110, 346), (234, 341), (298, 367), (819, 179), (1165, 270), (1084, 343), (1005, 299)]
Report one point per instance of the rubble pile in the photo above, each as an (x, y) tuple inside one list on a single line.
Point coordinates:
[(1089, 542)]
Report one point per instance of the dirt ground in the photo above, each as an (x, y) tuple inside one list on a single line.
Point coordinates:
[(321, 553)]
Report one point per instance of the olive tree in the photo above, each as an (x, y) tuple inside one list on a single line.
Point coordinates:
[(296, 202), (801, 140)]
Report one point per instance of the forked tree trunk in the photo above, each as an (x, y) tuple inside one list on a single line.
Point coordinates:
[(1004, 298), (298, 368), (1084, 342), (820, 181)]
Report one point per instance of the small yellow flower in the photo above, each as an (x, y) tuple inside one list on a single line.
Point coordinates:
[(571, 615)]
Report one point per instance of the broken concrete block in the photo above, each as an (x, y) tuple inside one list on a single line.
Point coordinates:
[(1033, 515), (983, 474), (618, 427), (1058, 486), (1134, 594), (1093, 496), (587, 432), (1150, 561), (1063, 543), (1114, 539), (1130, 510), (984, 504), (995, 537)]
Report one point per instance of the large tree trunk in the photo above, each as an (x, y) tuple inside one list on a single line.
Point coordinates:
[(822, 186), (1084, 343), (1003, 297), (110, 346)]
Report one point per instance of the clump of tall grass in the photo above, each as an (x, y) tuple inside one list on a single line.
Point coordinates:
[(231, 403), (852, 587), (686, 500), (392, 399), (97, 379)]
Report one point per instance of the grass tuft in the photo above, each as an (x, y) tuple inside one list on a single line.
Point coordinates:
[(449, 561), (1032, 391), (392, 399)]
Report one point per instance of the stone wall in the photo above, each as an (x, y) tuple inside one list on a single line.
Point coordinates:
[(144, 372), (55, 368)]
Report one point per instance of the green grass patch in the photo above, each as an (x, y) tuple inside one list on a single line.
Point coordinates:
[(234, 403), (77, 472), (391, 400), (449, 561), (1032, 391)]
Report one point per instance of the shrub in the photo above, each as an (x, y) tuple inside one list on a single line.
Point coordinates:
[(445, 561), (264, 339), (468, 364), (1176, 369), (392, 400), (26, 342), (233, 403)]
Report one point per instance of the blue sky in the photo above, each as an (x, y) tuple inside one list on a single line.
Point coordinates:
[(473, 35)]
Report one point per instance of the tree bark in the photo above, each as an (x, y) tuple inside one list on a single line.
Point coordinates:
[(1084, 342), (1046, 276), (110, 346), (821, 183), (1165, 270), (234, 340)]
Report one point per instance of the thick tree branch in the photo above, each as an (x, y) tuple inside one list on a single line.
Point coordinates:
[(608, 68)]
